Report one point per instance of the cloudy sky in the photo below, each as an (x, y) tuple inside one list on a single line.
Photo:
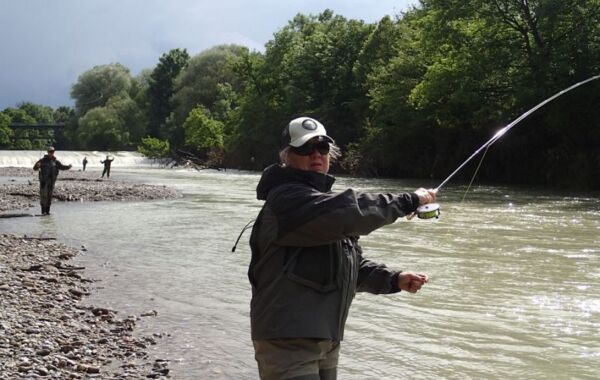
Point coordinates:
[(46, 44)]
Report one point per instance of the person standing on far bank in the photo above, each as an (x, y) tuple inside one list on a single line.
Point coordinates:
[(48, 167), (107, 161), (307, 264), (84, 162)]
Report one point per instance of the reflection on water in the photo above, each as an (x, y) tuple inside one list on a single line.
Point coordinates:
[(514, 290)]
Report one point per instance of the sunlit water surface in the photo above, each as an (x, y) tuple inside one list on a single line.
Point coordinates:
[(514, 289)]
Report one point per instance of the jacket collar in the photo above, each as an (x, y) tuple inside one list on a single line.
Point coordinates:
[(276, 175)]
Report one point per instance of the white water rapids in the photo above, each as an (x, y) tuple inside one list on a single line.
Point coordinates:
[(27, 158)]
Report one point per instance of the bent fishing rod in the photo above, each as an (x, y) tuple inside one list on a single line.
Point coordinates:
[(432, 210)]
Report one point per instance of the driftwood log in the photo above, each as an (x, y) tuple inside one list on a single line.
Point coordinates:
[(190, 160), (13, 215), (37, 238)]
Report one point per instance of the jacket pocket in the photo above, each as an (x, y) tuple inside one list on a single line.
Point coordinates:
[(313, 267)]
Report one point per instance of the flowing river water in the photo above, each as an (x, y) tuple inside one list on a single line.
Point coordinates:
[(514, 286)]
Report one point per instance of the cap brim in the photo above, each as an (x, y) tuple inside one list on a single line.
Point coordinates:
[(304, 139)]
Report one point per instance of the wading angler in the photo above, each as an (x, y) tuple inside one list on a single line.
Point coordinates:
[(307, 263), (48, 167)]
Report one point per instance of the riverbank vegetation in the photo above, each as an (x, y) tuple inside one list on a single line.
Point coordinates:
[(409, 96)]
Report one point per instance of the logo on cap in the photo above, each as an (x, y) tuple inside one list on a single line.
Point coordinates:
[(309, 124)]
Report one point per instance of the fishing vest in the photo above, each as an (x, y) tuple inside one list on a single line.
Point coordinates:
[(48, 170)]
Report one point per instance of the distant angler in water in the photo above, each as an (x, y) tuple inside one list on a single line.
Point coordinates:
[(48, 167), (107, 161)]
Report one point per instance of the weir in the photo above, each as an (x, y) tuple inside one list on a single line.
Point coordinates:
[(27, 158)]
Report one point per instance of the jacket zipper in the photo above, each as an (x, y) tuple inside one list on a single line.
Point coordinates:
[(348, 260)]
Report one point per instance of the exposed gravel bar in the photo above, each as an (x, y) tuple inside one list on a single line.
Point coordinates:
[(45, 331), (22, 188)]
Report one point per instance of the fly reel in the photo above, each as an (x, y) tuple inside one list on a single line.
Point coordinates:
[(428, 211)]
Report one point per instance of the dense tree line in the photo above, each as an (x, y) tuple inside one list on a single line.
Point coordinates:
[(28, 114), (408, 96)]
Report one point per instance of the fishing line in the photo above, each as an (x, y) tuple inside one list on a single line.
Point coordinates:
[(248, 225), (432, 210), (474, 174)]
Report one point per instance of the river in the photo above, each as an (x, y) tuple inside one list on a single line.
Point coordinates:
[(514, 272)]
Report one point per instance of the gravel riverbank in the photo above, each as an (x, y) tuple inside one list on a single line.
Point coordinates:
[(45, 331), (21, 189)]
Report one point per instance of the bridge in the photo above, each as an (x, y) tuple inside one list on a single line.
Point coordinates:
[(44, 133), (55, 126)]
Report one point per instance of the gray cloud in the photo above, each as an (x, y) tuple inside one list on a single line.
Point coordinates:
[(48, 44)]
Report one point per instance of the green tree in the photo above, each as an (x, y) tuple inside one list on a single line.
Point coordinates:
[(118, 102), (161, 88), (5, 132), (69, 134), (22, 141), (307, 70), (203, 133), (41, 114), (488, 62), (200, 83), (63, 114), (248, 141), (64, 137), (102, 128), (26, 138), (31, 114), (120, 124), (133, 120), (19, 116), (139, 93), (96, 86), (152, 147), (314, 57)]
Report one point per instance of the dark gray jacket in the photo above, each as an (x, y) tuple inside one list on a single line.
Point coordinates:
[(306, 263), (49, 167)]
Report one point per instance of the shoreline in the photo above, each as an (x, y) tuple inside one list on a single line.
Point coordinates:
[(45, 329), (22, 189)]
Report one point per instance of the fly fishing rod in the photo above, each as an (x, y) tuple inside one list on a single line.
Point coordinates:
[(432, 210)]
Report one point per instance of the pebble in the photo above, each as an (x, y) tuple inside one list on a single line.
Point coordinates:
[(46, 333), (74, 186), (150, 313)]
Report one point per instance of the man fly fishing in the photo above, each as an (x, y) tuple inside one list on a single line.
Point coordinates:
[(48, 167), (106, 162)]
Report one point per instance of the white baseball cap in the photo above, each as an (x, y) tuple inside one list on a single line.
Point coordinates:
[(302, 129)]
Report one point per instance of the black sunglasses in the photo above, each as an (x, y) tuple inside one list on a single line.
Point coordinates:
[(309, 148)]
